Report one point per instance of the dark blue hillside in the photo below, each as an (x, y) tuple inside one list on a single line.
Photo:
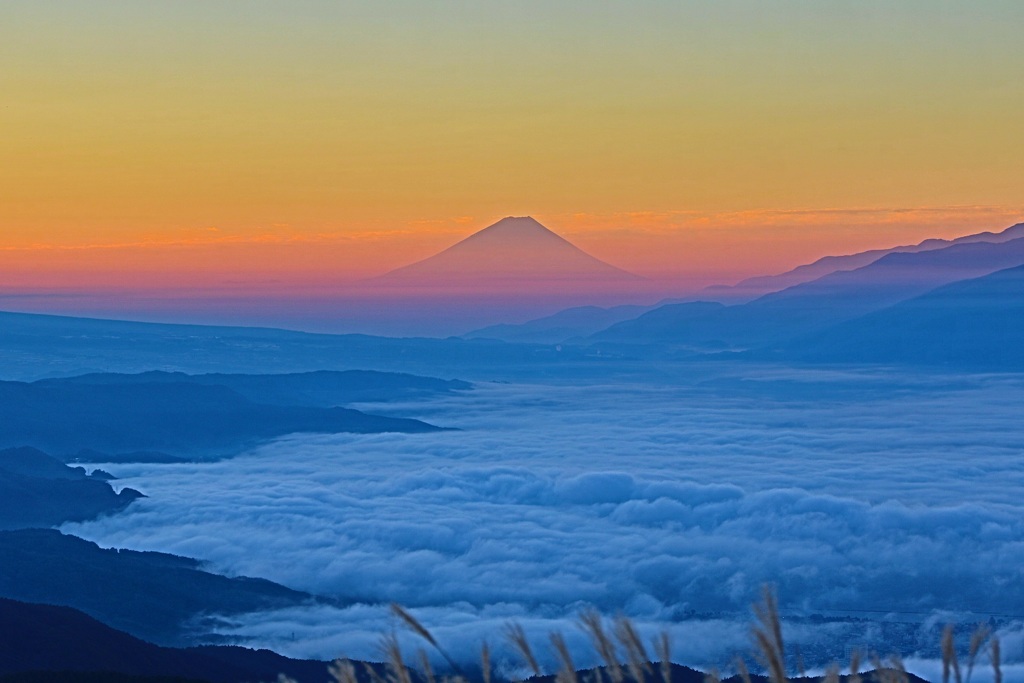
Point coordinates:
[(175, 416), (37, 490), (37, 346), (155, 596), (47, 639), (323, 388), (813, 306), (976, 323)]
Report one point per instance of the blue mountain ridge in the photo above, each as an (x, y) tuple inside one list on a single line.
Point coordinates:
[(976, 323), (172, 414), (813, 306)]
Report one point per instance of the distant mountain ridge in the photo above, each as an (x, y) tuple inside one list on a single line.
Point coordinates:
[(166, 413), (580, 321), (38, 345), (572, 324), (976, 323), (34, 346), (322, 388), (754, 287), (816, 305), (515, 269)]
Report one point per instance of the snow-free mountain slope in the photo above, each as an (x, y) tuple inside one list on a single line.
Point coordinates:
[(754, 287), (36, 346), (37, 490), (152, 595), (515, 250), (56, 641), (580, 321), (817, 305), (167, 413), (972, 323)]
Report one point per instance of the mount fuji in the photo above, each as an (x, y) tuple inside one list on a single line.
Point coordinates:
[(514, 254)]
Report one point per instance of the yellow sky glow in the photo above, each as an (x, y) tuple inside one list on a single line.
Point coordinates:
[(379, 132)]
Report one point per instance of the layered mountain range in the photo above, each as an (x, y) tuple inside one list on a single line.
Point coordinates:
[(781, 324), (753, 287), (817, 318)]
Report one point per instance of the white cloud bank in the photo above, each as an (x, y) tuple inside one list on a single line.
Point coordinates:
[(856, 494)]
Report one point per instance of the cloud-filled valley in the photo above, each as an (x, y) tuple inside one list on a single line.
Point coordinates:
[(670, 501)]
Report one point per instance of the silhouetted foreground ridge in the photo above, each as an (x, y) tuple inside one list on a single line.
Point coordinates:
[(48, 639), (156, 596)]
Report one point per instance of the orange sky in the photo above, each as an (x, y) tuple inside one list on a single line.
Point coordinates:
[(194, 143), (688, 248)]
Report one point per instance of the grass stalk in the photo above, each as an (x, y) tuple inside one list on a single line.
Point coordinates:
[(517, 636), (742, 671), (997, 672), (566, 668), (949, 660), (636, 653), (854, 667), (485, 662), (978, 639), (591, 622), (397, 670), (425, 667), (343, 672), (421, 630), (663, 650), (768, 636)]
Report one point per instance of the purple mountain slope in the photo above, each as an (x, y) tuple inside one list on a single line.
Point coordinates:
[(816, 305), (976, 323), (754, 287), (514, 251), (902, 275)]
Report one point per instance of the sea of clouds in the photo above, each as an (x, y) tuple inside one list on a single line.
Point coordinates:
[(867, 495)]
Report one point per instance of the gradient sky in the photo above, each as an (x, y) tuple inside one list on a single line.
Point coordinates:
[(169, 141)]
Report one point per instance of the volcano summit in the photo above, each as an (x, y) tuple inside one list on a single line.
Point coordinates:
[(515, 253)]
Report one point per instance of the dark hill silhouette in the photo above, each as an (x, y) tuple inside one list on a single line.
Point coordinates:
[(514, 252), (156, 596), (43, 640), (38, 490), (90, 677), (170, 415), (48, 639), (31, 462), (977, 323), (684, 674)]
